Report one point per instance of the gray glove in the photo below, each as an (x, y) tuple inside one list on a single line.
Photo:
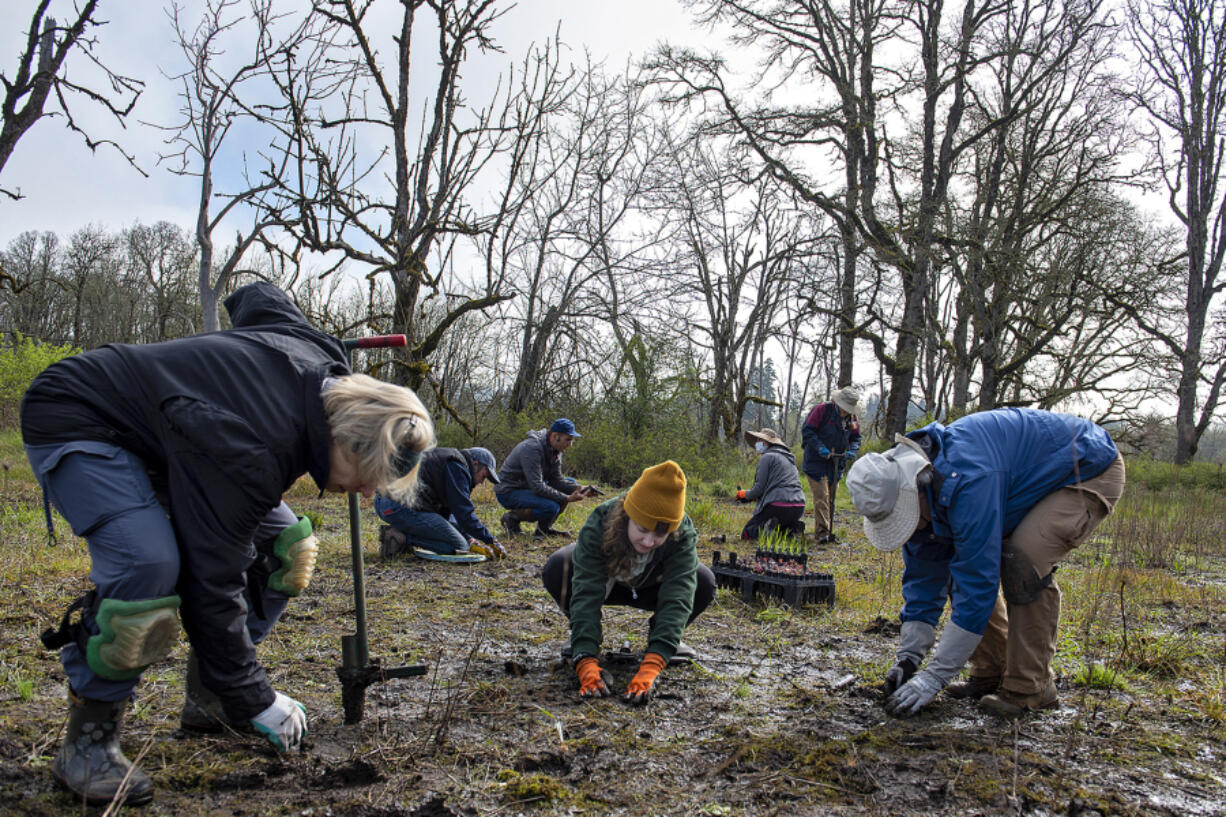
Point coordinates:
[(914, 695), (955, 648), (953, 652), (898, 675)]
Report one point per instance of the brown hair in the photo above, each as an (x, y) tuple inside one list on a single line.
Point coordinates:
[(615, 541)]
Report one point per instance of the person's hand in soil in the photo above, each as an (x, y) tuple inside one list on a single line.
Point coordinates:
[(284, 723), (594, 681), (914, 695), (643, 684), (898, 675)]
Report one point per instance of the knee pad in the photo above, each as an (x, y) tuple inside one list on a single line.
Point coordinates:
[(1019, 579), (131, 636), (297, 549)]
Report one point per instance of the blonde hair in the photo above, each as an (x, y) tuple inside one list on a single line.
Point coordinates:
[(378, 422)]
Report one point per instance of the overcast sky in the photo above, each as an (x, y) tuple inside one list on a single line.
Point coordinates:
[(67, 187)]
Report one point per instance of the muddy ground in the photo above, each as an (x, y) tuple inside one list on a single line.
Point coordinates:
[(781, 715)]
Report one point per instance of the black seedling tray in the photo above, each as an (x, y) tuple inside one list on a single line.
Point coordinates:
[(793, 590)]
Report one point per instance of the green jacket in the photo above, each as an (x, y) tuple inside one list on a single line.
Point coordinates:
[(673, 566)]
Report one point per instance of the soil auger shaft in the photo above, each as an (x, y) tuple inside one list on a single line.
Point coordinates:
[(357, 671)]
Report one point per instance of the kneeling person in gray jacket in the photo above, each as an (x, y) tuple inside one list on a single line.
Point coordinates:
[(776, 487)]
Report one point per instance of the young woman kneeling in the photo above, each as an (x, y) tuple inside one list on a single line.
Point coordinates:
[(638, 550)]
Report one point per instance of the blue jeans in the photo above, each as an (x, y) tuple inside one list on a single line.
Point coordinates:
[(544, 511), (424, 529), (104, 493)]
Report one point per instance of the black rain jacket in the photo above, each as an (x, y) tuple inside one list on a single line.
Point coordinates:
[(225, 422)]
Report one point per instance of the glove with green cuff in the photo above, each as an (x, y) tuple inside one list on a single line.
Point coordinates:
[(284, 723)]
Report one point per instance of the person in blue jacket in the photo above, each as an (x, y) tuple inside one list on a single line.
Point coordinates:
[(441, 517), (984, 509), (831, 438)]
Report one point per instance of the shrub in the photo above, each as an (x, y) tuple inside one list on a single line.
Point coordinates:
[(1161, 476), (608, 454), (21, 360)]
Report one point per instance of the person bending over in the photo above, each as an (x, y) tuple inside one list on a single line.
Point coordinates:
[(984, 510), (442, 517), (171, 460)]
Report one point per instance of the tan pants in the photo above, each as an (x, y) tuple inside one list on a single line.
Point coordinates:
[(1020, 640), (823, 506)]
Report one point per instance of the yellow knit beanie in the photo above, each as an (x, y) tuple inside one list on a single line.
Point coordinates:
[(658, 495)]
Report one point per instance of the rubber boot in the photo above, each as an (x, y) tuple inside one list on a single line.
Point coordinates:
[(90, 763)]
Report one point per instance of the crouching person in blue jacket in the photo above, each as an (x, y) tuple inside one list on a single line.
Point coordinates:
[(984, 510), (170, 459), (441, 518)]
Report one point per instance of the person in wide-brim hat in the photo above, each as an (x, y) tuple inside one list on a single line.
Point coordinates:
[(766, 435), (831, 438), (776, 487), (984, 509)]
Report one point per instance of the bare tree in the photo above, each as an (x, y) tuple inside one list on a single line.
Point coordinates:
[(31, 295), (90, 273), (218, 97), (831, 50), (579, 235), (740, 251), (364, 189), (1024, 246), (1181, 89), (42, 75), (162, 255), (898, 199)]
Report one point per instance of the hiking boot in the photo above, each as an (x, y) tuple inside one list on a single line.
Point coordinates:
[(973, 687), (1009, 704), (545, 530), (90, 763), (684, 654), (510, 523), (392, 542)]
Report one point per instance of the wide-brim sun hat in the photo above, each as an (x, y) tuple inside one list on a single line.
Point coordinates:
[(848, 399), (883, 489), (766, 435)]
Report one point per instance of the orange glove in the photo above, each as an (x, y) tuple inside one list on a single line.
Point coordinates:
[(644, 681), (741, 494), (593, 681)]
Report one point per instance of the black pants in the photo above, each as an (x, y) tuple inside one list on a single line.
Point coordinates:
[(556, 575), (787, 520)]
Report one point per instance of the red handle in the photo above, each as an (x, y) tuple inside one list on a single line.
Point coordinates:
[(378, 341)]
